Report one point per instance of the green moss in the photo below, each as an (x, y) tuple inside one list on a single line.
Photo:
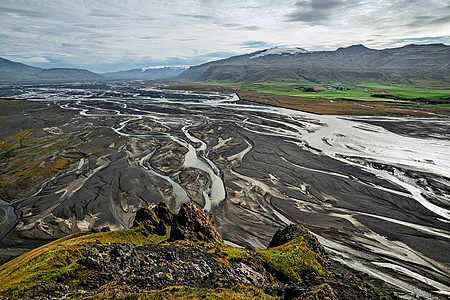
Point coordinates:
[(239, 254), (294, 260), (56, 262)]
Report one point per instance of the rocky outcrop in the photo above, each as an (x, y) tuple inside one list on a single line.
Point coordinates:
[(158, 266), (156, 220), (289, 233), (297, 231), (192, 223)]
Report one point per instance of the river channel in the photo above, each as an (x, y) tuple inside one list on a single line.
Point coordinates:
[(376, 197)]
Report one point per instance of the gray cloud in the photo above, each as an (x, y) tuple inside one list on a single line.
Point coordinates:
[(231, 25), (21, 11), (314, 11), (106, 34), (441, 21), (251, 28), (103, 13), (199, 17), (421, 21)]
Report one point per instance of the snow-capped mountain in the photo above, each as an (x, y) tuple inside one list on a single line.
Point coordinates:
[(280, 51)]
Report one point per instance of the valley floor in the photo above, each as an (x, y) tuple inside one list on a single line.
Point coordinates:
[(374, 190)]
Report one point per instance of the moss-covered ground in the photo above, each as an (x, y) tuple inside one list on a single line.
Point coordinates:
[(56, 262), (294, 260)]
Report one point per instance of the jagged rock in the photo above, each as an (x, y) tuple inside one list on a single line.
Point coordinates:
[(250, 276), (164, 213), (193, 223), (145, 214), (155, 220)]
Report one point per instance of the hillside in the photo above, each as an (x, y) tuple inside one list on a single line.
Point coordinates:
[(11, 71), (68, 74), (181, 256), (8, 66), (354, 64)]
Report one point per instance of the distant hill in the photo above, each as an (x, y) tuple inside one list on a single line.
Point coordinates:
[(356, 63), (18, 72), (69, 74), (147, 73), (8, 66), (11, 71)]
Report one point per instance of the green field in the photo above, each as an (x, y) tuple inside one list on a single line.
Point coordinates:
[(408, 91), (360, 92)]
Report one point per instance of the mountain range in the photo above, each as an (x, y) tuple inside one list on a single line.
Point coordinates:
[(357, 63), (11, 71)]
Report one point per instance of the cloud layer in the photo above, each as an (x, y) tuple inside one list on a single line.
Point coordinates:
[(111, 35)]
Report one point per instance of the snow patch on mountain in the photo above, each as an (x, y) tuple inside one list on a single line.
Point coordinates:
[(280, 51), (164, 67)]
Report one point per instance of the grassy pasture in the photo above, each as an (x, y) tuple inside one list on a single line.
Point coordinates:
[(362, 92)]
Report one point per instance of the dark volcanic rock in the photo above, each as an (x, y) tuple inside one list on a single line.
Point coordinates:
[(164, 213), (154, 220), (124, 268), (192, 223), (162, 265)]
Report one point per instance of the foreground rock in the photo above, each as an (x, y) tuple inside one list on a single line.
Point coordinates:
[(191, 223), (155, 220), (145, 262)]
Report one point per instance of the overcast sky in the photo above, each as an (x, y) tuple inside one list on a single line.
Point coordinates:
[(110, 35)]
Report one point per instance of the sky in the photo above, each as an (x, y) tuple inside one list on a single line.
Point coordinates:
[(114, 35)]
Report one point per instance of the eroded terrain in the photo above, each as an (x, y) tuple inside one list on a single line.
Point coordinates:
[(374, 191)]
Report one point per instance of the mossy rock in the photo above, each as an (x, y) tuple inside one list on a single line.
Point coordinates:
[(294, 231), (164, 213), (154, 220), (295, 253)]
